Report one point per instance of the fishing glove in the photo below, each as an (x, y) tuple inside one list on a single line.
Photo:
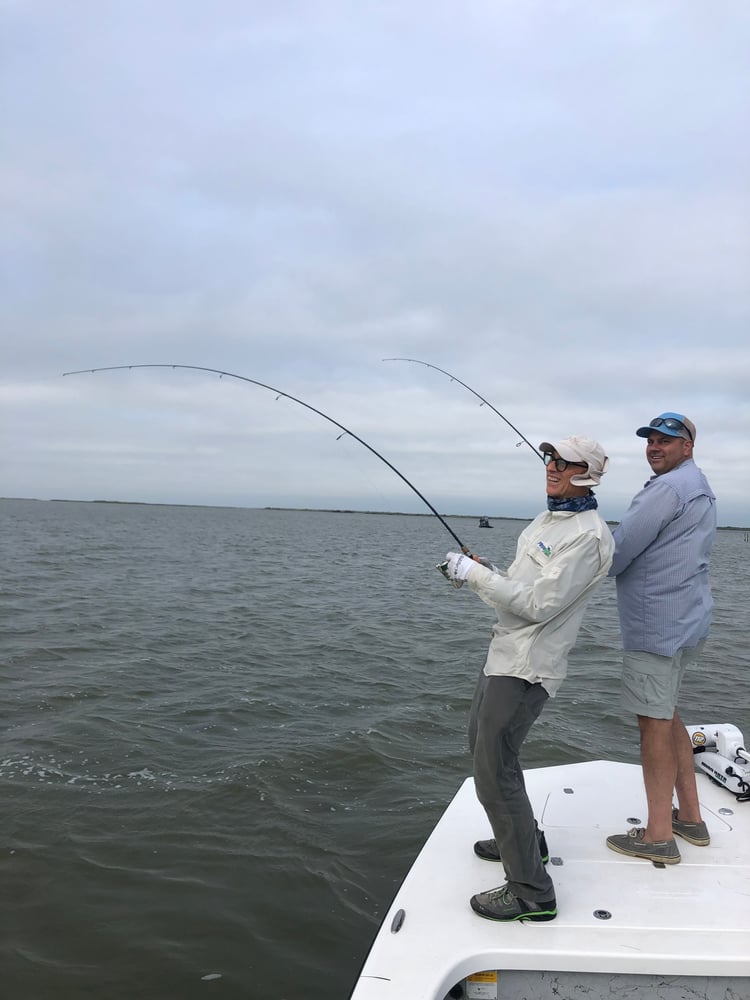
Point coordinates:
[(488, 564), (457, 567)]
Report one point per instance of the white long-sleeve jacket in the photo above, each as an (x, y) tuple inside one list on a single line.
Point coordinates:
[(560, 558)]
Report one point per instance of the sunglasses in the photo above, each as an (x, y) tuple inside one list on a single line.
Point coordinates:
[(561, 464), (671, 424)]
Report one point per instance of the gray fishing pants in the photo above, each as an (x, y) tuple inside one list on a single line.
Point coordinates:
[(502, 713)]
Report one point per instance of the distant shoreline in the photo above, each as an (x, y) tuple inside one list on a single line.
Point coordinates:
[(309, 510), (313, 510)]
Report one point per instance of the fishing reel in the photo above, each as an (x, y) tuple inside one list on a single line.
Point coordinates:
[(723, 757)]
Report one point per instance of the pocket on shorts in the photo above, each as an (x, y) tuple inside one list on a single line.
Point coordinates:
[(648, 685)]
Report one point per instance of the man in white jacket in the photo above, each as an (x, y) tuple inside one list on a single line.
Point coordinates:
[(540, 600)]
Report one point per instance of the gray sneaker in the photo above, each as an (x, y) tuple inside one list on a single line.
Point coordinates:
[(693, 833), (502, 904), (633, 844), (487, 850)]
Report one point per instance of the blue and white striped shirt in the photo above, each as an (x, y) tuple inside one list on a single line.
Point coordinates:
[(662, 551)]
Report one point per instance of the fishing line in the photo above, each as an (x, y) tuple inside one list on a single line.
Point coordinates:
[(286, 395), (485, 402)]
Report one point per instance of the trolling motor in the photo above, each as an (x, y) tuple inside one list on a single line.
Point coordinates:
[(728, 762)]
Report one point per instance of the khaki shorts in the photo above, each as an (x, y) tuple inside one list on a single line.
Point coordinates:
[(651, 683)]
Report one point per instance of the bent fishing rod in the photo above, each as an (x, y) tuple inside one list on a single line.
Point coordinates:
[(286, 395), (485, 402)]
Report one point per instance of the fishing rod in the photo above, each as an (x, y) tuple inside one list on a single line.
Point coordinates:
[(485, 402), (286, 395)]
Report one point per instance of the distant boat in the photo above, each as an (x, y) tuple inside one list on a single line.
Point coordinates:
[(484, 522)]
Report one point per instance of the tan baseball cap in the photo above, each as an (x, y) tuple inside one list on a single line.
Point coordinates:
[(578, 448)]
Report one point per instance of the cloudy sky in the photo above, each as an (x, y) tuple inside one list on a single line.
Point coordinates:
[(548, 199)]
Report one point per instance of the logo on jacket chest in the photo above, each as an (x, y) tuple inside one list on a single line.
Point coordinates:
[(545, 548)]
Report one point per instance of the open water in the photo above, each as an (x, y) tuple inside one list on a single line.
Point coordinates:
[(226, 734)]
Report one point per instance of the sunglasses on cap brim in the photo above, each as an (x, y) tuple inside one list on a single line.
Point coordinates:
[(671, 423)]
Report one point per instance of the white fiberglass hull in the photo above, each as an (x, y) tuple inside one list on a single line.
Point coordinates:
[(625, 927)]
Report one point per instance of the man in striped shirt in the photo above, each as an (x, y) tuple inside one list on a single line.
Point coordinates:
[(661, 562)]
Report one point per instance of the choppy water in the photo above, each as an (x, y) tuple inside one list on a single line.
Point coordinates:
[(226, 734)]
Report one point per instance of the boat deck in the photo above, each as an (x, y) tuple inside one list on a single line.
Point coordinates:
[(616, 915)]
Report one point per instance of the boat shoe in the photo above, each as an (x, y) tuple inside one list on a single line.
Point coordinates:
[(502, 904), (693, 833), (633, 844), (488, 850)]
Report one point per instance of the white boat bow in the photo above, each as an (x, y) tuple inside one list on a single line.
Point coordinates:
[(625, 927)]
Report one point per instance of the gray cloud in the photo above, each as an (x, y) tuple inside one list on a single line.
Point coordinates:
[(548, 199)]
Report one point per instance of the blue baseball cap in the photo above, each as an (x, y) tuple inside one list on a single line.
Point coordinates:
[(674, 424)]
